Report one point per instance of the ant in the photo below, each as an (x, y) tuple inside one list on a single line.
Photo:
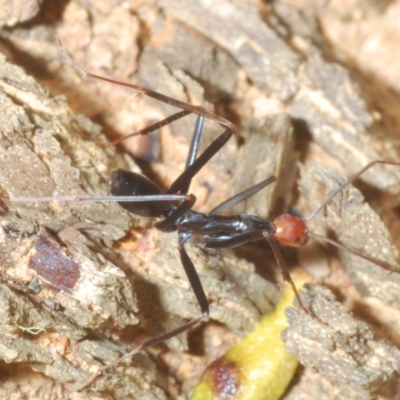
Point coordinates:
[(141, 196)]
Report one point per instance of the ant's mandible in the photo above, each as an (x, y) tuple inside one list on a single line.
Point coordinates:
[(139, 195)]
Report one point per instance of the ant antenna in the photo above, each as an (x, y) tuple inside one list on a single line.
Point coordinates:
[(381, 264), (349, 181)]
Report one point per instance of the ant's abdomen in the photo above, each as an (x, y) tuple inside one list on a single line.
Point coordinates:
[(128, 183)]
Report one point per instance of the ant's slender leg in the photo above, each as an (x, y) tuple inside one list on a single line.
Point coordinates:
[(237, 198), (285, 273), (153, 127), (198, 290), (90, 199), (168, 224), (184, 179), (195, 282), (194, 144), (255, 235), (190, 108), (194, 148), (138, 349)]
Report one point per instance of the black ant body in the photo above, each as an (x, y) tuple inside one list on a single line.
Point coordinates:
[(141, 196)]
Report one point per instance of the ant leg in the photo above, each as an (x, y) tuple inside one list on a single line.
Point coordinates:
[(198, 290), (285, 273), (164, 225), (190, 108), (151, 128), (89, 199), (194, 148), (168, 224), (237, 198), (194, 281), (183, 180), (247, 237), (139, 348), (194, 144)]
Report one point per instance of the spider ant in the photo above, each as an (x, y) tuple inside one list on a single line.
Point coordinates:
[(140, 196)]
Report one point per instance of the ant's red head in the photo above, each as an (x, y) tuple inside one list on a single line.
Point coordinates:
[(290, 230)]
